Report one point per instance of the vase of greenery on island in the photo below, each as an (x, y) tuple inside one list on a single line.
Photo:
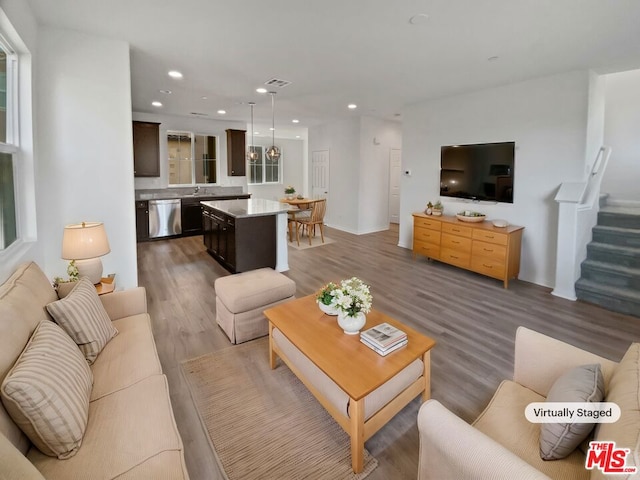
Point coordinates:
[(353, 302), (290, 192), (63, 287), (326, 298)]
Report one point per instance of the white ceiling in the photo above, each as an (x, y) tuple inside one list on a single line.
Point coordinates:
[(340, 51)]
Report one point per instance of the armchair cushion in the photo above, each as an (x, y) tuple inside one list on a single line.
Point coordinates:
[(581, 384)]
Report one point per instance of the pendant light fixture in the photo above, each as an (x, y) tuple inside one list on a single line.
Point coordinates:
[(273, 152), (252, 155)]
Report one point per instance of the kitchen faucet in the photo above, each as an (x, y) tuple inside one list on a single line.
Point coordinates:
[(197, 189)]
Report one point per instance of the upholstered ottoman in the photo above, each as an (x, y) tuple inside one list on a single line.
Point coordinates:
[(241, 299)]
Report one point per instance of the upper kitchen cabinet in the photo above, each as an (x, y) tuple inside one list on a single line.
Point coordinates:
[(236, 162), (146, 149)]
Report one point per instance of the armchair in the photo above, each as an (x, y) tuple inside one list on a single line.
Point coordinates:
[(501, 443)]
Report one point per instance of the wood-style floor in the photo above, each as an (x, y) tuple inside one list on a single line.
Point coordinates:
[(472, 318)]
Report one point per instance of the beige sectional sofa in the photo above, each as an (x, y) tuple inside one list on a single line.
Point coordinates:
[(502, 444), (131, 432)]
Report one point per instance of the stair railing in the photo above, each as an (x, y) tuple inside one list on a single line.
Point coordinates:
[(577, 215)]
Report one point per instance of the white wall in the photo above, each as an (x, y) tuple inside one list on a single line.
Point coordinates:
[(359, 171), (342, 140), (377, 138), (85, 152), (292, 168), (622, 133), (546, 117), (195, 125)]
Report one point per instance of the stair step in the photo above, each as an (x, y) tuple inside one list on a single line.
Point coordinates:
[(617, 235), (625, 217), (621, 300), (617, 254), (611, 275)]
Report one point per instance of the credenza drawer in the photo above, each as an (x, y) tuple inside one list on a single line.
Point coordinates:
[(456, 229), (455, 257), (427, 249), (489, 236), (489, 250), (488, 266), (426, 235), (456, 242), (426, 223)]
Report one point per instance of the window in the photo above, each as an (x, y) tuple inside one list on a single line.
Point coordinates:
[(8, 145), (261, 169), (192, 158)]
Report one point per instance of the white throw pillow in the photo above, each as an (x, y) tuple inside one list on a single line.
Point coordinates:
[(580, 384), (82, 315), (47, 391)]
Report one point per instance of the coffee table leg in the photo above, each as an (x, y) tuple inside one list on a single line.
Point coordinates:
[(356, 411), (272, 355), (426, 360)]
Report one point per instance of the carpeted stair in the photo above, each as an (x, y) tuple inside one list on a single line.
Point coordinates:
[(611, 273)]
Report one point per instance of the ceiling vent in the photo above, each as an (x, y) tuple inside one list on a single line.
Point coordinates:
[(276, 82), (198, 114)]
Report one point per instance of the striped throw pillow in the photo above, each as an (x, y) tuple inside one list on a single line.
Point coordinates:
[(82, 315), (47, 391)]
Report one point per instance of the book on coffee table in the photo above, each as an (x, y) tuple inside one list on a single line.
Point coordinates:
[(385, 351), (383, 336)]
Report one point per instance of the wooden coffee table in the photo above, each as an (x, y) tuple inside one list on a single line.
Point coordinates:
[(353, 366)]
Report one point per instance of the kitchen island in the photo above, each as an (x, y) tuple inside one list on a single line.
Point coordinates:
[(246, 234)]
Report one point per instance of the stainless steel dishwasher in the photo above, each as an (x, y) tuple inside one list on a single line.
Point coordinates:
[(164, 218)]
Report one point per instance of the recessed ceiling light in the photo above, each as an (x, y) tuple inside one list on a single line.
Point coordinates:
[(295, 120), (419, 19), (352, 106), (261, 90), (175, 74), (297, 136), (271, 128), (256, 133), (156, 103), (204, 98), (166, 92), (222, 112)]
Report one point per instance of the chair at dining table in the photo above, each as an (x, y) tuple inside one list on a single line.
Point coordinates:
[(316, 217)]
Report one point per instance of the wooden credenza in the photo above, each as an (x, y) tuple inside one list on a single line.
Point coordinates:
[(479, 247)]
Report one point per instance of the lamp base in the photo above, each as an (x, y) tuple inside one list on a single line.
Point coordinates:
[(91, 268)]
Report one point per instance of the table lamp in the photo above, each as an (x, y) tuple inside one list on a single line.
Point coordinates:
[(85, 243)]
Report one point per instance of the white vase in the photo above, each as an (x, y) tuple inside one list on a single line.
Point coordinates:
[(351, 325), (328, 309)]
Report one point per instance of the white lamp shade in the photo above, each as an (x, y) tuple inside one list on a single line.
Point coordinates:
[(84, 240)]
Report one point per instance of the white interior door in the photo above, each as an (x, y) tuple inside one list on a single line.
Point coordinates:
[(320, 174), (395, 161)]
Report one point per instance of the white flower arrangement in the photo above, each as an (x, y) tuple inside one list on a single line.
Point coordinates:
[(352, 296)]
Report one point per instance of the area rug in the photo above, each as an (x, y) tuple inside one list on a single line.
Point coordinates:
[(315, 242), (263, 423)]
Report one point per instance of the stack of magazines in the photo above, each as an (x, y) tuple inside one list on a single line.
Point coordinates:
[(384, 338)]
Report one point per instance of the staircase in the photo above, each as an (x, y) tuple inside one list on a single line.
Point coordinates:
[(611, 272)]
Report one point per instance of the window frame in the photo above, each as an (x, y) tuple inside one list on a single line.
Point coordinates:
[(264, 167), (192, 155), (12, 145)]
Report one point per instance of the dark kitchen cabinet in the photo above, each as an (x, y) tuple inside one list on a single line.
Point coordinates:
[(240, 244), (236, 156), (191, 214), (142, 220), (146, 149)]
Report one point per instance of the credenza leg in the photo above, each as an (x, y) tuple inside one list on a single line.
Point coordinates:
[(426, 360)]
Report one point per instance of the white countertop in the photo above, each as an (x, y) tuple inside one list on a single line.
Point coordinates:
[(251, 207)]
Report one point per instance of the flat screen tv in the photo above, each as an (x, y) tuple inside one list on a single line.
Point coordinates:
[(482, 172)]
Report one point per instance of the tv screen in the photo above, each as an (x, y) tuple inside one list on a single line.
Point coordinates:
[(478, 172)]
